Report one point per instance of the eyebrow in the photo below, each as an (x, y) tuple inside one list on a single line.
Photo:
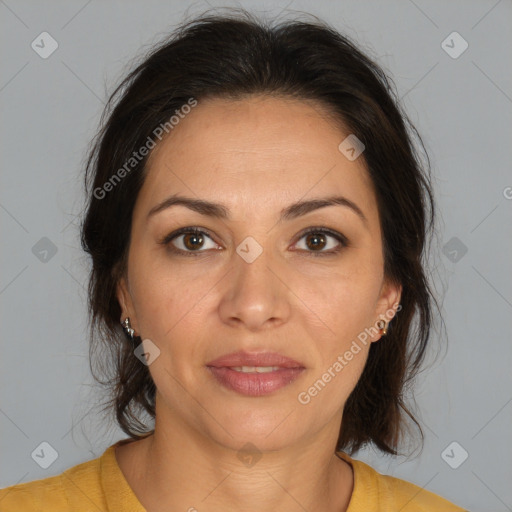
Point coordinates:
[(293, 211)]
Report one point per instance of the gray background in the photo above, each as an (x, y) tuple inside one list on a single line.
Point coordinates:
[(462, 107)]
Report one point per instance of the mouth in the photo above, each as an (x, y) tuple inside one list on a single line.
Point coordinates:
[(252, 374), (255, 369)]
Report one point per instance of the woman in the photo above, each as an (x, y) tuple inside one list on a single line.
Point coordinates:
[(257, 217)]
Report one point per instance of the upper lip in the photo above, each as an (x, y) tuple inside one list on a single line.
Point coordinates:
[(264, 359)]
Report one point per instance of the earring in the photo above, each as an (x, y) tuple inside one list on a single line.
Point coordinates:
[(383, 326), (128, 328)]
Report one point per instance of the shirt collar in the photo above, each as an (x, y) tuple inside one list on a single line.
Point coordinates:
[(118, 493)]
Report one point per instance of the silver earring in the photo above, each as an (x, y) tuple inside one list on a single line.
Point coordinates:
[(128, 328)]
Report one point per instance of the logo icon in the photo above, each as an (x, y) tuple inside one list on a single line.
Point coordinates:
[(351, 147), (249, 249), (249, 455), (44, 45), (45, 455), (454, 45), (454, 249), (44, 250), (146, 352), (454, 455)]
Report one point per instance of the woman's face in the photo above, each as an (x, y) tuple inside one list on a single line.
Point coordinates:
[(253, 281)]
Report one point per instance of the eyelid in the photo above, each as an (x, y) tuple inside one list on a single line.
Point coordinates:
[(183, 231), (326, 231), (342, 240)]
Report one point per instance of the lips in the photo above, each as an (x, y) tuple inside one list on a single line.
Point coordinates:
[(252, 374), (262, 360)]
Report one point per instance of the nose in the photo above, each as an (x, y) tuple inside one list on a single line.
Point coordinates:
[(256, 295)]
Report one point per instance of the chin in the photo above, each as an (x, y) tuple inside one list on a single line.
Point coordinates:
[(268, 430)]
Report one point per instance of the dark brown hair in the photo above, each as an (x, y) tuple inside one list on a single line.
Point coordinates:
[(231, 56)]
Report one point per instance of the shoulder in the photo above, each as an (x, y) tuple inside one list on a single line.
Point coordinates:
[(33, 496), (384, 493), (78, 489)]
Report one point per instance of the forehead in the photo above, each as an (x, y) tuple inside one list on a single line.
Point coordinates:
[(259, 151)]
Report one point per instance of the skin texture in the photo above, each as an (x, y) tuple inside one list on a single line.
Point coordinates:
[(256, 156)]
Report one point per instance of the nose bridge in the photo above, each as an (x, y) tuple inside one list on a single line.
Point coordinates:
[(252, 273), (252, 259), (254, 294)]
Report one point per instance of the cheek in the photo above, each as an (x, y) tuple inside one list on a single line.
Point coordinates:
[(342, 301), (161, 292), (165, 305), (339, 309), (344, 307)]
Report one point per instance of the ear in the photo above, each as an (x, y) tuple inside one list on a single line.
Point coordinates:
[(387, 304), (125, 301)]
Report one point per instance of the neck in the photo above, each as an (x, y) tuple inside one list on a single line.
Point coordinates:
[(180, 469)]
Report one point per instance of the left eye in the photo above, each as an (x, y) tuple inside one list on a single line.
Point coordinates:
[(317, 240)]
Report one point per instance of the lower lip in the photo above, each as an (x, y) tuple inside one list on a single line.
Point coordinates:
[(255, 384)]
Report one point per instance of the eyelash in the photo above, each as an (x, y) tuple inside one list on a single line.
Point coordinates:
[(197, 231)]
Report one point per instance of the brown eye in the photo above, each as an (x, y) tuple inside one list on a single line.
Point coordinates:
[(193, 241), (316, 241), (189, 241)]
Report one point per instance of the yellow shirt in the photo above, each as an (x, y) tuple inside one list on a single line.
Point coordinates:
[(99, 485)]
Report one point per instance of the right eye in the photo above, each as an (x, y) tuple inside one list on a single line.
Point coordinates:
[(187, 241)]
